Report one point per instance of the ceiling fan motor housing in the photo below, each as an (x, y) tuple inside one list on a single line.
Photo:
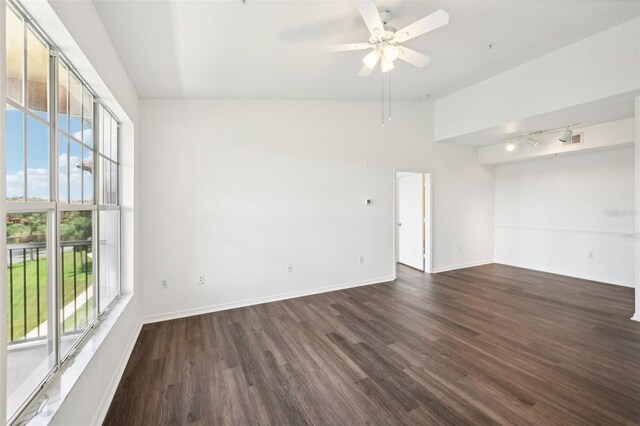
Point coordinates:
[(386, 37), (385, 16)]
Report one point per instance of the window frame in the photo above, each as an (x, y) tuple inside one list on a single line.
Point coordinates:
[(28, 24), (54, 207)]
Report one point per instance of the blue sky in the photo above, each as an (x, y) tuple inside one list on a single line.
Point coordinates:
[(38, 158)]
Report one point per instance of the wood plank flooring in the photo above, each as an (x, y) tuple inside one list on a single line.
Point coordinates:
[(486, 345)]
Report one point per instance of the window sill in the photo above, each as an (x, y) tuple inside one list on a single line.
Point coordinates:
[(55, 391)]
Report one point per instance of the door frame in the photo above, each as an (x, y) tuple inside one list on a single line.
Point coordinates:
[(427, 219)]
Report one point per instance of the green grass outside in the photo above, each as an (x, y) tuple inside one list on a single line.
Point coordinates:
[(79, 320), (18, 271)]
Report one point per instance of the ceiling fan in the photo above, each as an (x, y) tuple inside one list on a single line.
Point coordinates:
[(386, 41)]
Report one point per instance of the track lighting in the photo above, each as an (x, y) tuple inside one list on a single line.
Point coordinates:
[(566, 136), (532, 138), (532, 142)]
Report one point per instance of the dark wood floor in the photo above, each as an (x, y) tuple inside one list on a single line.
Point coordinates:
[(485, 345)]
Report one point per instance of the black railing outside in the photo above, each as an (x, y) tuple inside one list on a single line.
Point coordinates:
[(27, 289)]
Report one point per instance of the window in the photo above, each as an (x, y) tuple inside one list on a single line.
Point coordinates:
[(63, 221), (109, 208)]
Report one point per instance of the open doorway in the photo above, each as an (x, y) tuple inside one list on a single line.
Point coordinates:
[(413, 220)]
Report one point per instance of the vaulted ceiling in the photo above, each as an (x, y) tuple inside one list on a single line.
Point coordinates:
[(274, 49)]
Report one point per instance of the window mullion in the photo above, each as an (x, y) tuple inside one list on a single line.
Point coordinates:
[(118, 191), (96, 200), (53, 119), (24, 102), (52, 251)]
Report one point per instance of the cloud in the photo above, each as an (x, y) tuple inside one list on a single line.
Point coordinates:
[(73, 160), (75, 174), (84, 135), (38, 181)]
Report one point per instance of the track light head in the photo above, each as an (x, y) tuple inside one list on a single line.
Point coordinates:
[(566, 136), (532, 142)]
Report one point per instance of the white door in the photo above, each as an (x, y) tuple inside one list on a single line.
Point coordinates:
[(411, 220)]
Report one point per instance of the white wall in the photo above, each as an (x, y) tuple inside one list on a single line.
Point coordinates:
[(551, 213), (237, 190), (601, 66)]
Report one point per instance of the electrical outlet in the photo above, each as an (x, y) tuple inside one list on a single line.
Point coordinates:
[(164, 284), (361, 259), (200, 279), (289, 268)]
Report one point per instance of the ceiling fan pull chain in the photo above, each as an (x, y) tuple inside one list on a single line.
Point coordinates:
[(389, 95), (382, 103)]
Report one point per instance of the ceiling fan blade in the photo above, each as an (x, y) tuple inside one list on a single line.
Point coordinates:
[(369, 13), (416, 59), (428, 23), (365, 71), (347, 47)]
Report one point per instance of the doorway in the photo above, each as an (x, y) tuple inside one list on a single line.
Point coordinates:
[(413, 220)]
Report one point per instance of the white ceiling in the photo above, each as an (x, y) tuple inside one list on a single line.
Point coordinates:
[(274, 49)]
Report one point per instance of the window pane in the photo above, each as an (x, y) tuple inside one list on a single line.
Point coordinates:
[(63, 98), (29, 342), (87, 176), (100, 124), (63, 169), (105, 181), (114, 184), (15, 154), (87, 117), (109, 182), (15, 56), (109, 256), (75, 107), (37, 160), (106, 134), (114, 140), (37, 75), (78, 308), (75, 172), (109, 135)]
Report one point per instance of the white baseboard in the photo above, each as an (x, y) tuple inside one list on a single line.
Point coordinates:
[(110, 392), (461, 266), (588, 277), (636, 317), (260, 300)]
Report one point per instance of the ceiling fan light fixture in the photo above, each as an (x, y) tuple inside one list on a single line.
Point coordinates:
[(511, 145), (390, 53), (386, 65), (372, 58)]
